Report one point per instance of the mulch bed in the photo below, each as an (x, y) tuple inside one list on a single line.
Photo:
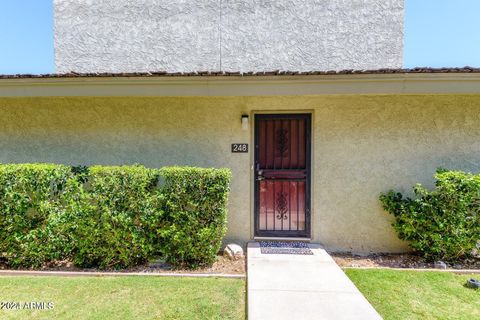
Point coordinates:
[(406, 261), (222, 266)]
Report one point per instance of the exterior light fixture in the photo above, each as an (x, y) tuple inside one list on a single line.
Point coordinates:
[(244, 122)]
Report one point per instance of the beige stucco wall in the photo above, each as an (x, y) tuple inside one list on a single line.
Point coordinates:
[(362, 145)]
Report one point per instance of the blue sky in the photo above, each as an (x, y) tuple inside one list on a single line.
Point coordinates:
[(26, 36), (442, 33), (438, 33)]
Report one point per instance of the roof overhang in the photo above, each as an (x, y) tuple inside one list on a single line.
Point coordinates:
[(155, 86)]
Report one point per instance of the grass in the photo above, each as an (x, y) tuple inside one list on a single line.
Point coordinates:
[(133, 297), (418, 295)]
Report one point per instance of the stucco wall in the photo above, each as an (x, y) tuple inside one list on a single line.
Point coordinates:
[(362, 145), (233, 35)]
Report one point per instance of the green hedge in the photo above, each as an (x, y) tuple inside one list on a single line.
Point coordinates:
[(110, 217), (30, 197), (443, 223), (115, 216), (195, 214)]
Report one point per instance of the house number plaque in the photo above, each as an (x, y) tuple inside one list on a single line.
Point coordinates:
[(239, 147)]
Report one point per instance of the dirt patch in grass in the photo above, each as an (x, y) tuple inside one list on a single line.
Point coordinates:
[(221, 266), (396, 261)]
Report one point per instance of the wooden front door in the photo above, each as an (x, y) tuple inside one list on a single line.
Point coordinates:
[(282, 175)]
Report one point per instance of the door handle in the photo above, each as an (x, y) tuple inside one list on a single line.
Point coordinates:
[(260, 176)]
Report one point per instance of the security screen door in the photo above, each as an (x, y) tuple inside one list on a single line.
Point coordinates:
[(282, 175)]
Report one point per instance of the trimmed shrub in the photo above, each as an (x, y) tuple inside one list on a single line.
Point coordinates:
[(443, 223), (195, 214), (114, 216), (29, 195), (110, 217)]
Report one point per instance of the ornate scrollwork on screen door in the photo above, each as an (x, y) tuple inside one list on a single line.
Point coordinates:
[(282, 141), (282, 206)]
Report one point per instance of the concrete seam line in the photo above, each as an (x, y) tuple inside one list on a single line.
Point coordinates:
[(116, 274)]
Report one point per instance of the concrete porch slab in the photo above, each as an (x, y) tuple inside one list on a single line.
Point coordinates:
[(288, 286)]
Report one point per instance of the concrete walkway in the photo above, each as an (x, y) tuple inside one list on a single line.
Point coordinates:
[(303, 287)]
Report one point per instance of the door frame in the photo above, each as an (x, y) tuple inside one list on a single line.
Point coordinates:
[(308, 151)]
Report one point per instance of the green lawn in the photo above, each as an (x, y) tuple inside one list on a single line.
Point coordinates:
[(134, 297), (418, 295)]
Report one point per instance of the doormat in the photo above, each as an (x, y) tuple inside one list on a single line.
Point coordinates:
[(300, 248)]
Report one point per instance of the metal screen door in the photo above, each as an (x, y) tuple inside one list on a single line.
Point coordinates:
[(282, 175)]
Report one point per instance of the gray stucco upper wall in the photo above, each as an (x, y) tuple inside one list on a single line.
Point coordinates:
[(227, 35)]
